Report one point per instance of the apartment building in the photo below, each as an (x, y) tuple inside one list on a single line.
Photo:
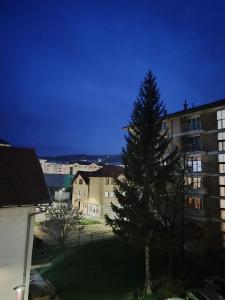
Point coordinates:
[(49, 167), (93, 191), (200, 133)]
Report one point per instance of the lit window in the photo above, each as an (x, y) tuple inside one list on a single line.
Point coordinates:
[(195, 182), (221, 139), (221, 119), (222, 191), (221, 157), (222, 180), (193, 202), (195, 164), (222, 168), (111, 194), (106, 194), (223, 214), (222, 203), (223, 227)]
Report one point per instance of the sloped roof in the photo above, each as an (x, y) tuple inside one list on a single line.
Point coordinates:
[(58, 180), (105, 171), (196, 108), (21, 178)]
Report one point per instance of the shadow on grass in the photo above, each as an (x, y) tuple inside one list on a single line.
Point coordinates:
[(99, 270)]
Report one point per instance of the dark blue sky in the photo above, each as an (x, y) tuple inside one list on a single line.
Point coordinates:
[(71, 70)]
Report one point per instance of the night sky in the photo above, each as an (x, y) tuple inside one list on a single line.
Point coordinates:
[(70, 70)]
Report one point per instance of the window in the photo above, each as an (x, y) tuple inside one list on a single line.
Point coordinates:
[(194, 123), (112, 181), (221, 119), (163, 125), (195, 182), (222, 168), (80, 181), (194, 143), (195, 164), (221, 139), (79, 192), (222, 191), (223, 227), (85, 193), (107, 181), (222, 203), (111, 194), (106, 194), (222, 180), (221, 159), (223, 214), (193, 202)]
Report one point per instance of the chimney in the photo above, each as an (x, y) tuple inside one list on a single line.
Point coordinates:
[(185, 105)]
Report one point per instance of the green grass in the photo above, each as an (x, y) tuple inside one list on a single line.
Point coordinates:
[(90, 222), (101, 270)]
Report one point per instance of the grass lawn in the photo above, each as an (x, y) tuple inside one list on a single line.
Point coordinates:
[(99, 270)]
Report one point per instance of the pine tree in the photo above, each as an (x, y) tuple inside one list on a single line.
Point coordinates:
[(148, 167)]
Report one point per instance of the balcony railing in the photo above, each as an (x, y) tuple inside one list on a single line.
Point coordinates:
[(193, 147), (190, 127)]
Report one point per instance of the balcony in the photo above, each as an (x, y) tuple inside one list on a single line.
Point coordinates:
[(194, 213), (193, 147), (190, 127)]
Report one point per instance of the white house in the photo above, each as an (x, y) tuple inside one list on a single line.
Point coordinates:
[(22, 191)]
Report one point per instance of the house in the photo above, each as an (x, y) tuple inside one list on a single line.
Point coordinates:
[(199, 132), (93, 191), (22, 192)]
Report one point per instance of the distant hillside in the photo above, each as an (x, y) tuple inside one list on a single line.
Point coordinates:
[(105, 159)]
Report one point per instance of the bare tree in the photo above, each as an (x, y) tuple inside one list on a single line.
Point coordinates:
[(60, 223)]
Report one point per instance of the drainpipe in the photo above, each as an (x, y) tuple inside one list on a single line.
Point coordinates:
[(27, 246)]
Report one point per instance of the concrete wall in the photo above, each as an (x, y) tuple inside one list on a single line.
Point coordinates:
[(13, 232)]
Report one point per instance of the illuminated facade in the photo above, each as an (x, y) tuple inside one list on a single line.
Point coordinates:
[(200, 133), (93, 191)]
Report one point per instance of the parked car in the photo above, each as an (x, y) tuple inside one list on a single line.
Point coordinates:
[(203, 294), (215, 283)]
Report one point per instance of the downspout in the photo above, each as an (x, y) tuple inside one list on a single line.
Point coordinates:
[(27, 246)]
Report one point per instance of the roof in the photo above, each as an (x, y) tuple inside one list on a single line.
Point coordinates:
[(196, 108), (105, 171), (58, 180), (21, 178)]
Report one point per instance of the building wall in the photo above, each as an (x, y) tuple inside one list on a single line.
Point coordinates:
[(211, 195), (80, 194), (99, 196), (13, 232), (57, 168)]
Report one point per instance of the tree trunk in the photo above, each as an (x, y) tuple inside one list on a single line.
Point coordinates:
[(148, 289)]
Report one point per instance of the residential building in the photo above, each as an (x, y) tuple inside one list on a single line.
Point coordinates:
[(22, 192), (93, 192), (49, 167), (199, 132)]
